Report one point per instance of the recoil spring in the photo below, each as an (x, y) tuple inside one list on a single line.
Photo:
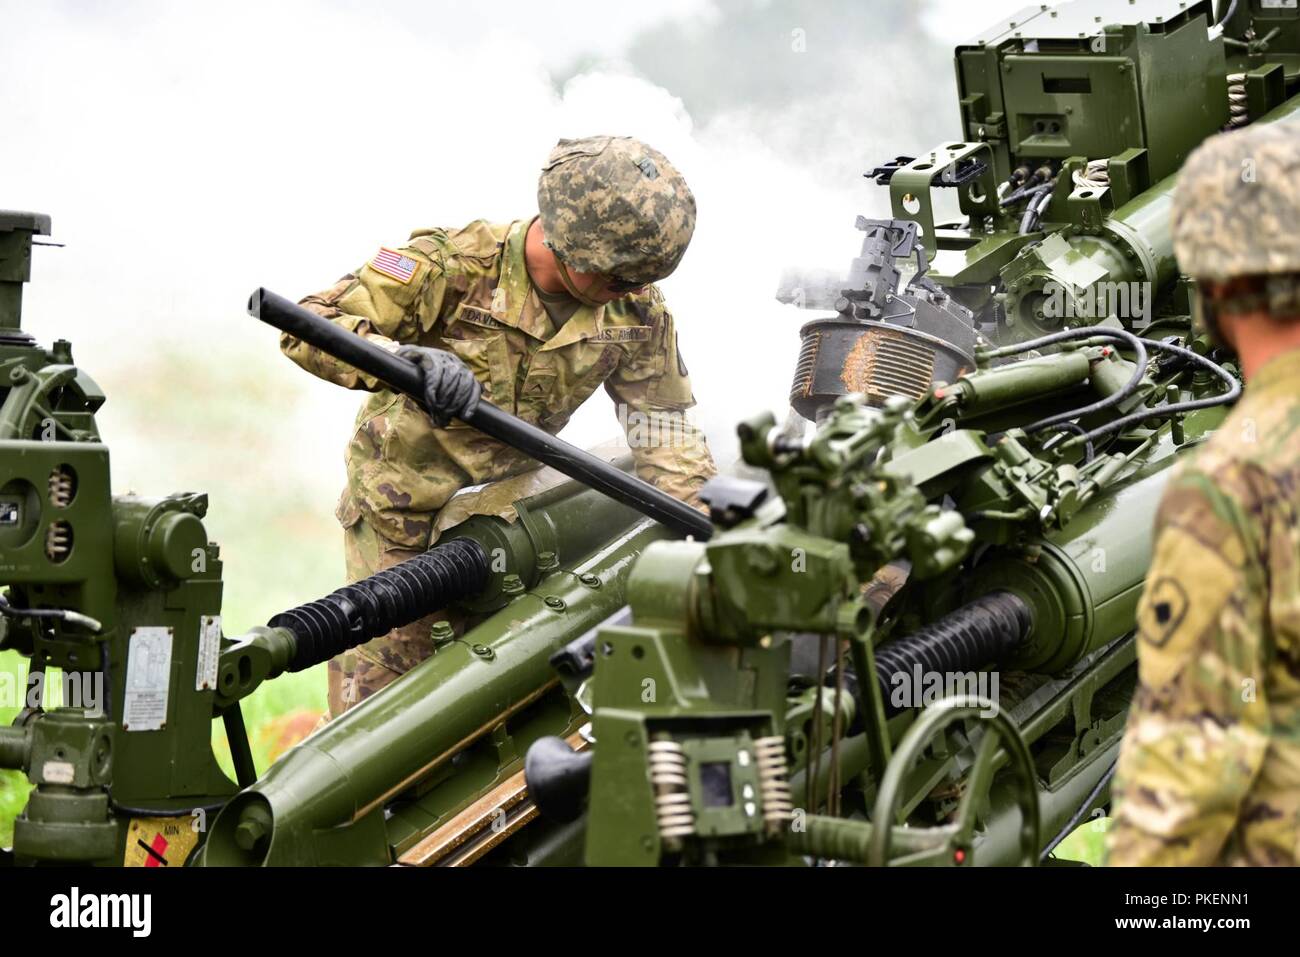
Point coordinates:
[(60, 488), (673, 809), (773, 782), (1238, 110)]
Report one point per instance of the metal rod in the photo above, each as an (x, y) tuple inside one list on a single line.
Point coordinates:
[(404, 376), (241, 755)]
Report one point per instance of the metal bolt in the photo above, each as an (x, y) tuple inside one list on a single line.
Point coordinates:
[(249, 833), (590, 580), (484, 652), (512, 585), (441, 631), (553, 602)]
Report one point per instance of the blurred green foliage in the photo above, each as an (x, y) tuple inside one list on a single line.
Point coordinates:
[(1086, 843)]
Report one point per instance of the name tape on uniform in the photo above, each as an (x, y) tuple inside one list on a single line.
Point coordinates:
[(477, 316), (623, 334)]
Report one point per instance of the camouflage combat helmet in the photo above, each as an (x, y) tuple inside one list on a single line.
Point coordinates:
[(1237, 205), (614, 206)]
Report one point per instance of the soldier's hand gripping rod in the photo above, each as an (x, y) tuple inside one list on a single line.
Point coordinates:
[(405, 376)]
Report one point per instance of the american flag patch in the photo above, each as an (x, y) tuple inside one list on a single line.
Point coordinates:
[(394, 265)]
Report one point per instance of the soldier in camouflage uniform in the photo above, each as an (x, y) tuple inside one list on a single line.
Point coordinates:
[(1209, 771), (535, 315)]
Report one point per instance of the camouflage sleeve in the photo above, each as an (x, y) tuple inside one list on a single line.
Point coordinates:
[(1198, 728), (389, 301), (651, 393)]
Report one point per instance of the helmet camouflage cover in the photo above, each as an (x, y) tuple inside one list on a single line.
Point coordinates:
[(615, 206), (1237, 205)]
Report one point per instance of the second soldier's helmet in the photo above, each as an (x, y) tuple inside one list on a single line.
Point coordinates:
[(1237, 205), (615, 206)]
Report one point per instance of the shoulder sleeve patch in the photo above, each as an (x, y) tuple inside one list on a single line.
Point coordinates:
[(1185, 608), (394, 265)]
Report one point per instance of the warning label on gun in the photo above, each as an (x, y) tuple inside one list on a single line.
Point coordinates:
[(205, 675), (148, 679)]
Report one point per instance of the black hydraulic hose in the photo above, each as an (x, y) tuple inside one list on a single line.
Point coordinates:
[(386, 600), (1175, 408), (405, 376), (982, 632), (1088, 454), (1066, 335), (1038, 200)]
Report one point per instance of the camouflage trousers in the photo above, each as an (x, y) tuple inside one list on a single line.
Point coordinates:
[(357, 674)]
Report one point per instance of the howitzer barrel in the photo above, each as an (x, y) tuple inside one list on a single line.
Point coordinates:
[(404, 376), (323, 802)]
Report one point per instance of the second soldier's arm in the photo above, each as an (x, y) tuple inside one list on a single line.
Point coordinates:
[(391, 300), (652, 392), (1199, 725)]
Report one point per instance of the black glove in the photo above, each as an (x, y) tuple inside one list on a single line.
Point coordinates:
[(450, 389)]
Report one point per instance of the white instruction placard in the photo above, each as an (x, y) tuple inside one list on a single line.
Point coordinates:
[(205, 676), (148, 679)]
